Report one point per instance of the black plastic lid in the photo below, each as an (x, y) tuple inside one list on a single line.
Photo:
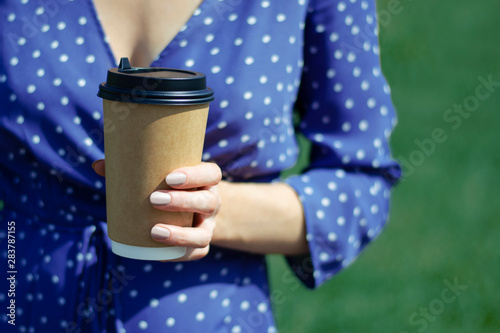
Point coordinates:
[(155, 85)]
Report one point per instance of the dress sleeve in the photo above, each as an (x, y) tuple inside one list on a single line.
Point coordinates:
[(347, 114)]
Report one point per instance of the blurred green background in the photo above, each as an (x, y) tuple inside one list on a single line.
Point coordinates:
[(445, 214)]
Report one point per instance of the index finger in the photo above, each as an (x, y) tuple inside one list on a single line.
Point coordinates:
[(204, 174)]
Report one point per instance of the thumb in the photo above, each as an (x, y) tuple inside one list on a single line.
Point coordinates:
[(99, 167)]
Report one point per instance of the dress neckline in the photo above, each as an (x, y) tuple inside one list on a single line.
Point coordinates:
[(183, 31)]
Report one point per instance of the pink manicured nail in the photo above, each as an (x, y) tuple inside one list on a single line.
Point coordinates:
[(176, 178), (160, 198), (160, 233)]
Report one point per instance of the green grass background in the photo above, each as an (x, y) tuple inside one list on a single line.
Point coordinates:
[(445, 216)]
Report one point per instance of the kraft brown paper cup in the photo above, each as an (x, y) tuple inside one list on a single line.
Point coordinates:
[(143, 143)]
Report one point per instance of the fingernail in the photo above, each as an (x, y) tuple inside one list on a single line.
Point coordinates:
[(160, 233), (93, 164), (160, 198), (176, 178)]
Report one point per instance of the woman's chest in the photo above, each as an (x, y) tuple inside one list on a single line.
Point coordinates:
[(140, 30)]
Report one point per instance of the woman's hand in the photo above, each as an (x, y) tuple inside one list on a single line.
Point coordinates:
[(195, 189), (258, 218)]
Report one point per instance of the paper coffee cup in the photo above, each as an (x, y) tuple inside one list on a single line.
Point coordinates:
[(154, 122)]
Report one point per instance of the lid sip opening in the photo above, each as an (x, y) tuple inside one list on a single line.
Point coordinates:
[(124, 64)]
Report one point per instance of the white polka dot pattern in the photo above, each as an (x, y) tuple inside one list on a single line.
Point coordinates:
[(341, 101), (263, 59)]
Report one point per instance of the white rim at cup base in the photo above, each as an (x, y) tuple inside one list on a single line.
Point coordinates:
[(147, 253)]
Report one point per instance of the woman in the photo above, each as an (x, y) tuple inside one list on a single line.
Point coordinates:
[(263, 59)]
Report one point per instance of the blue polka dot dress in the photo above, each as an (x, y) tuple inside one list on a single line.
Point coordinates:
[(263, 59)]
